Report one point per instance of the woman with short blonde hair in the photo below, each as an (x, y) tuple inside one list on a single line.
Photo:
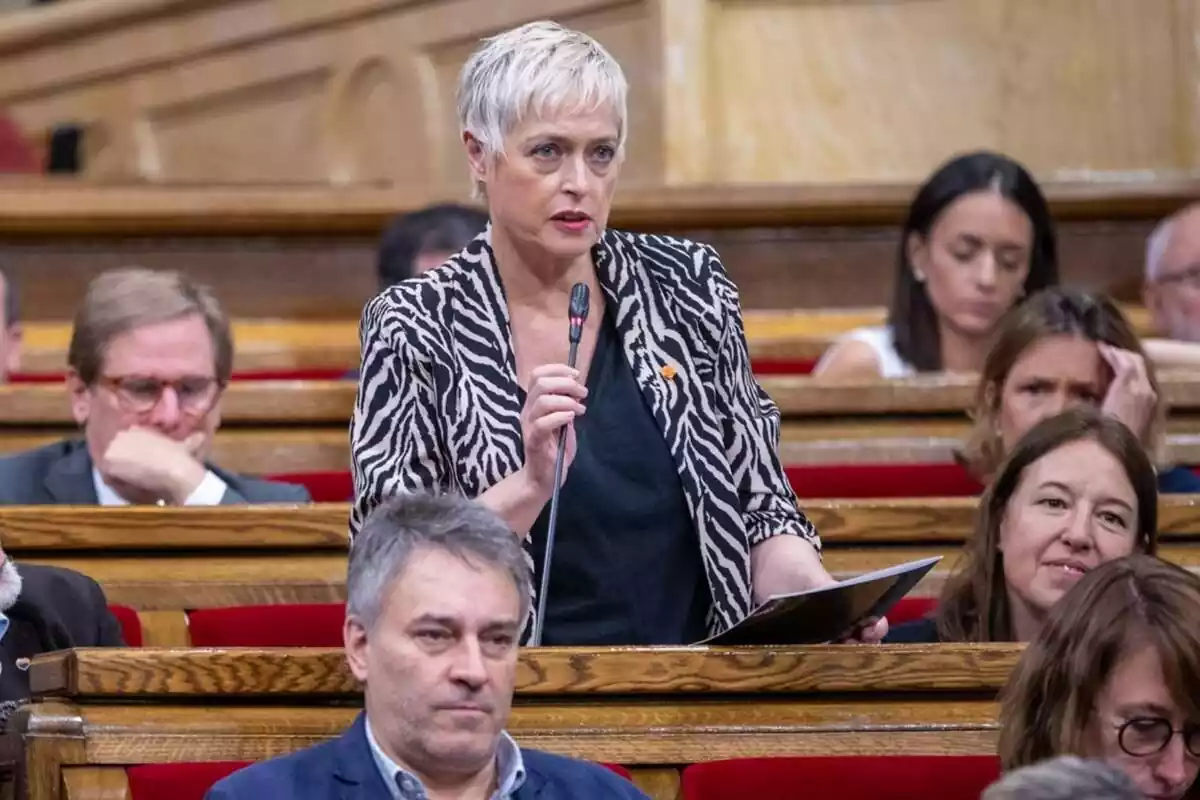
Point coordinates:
[(676, 516)]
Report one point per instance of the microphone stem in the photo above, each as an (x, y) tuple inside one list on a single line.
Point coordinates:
[(552, 525)]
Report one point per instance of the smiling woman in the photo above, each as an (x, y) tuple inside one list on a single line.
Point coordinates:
[(1076, 492), (676, 516)]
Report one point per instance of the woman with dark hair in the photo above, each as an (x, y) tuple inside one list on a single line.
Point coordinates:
[(978, 238), (1077, 491), (1061, 348), (1114, 674)]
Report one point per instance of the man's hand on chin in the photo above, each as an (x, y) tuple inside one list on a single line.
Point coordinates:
[(152, 465)]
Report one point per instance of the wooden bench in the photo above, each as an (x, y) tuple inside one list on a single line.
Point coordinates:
[(305, 252), (164, 562), (266, 344), (273, 427), (652, 710)]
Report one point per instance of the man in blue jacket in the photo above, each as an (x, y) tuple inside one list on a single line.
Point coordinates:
[(438, 588)]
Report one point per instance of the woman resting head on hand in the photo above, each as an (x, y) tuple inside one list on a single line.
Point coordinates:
[(1059, 349), (1114, 674), (978, 237), (1076, 492)]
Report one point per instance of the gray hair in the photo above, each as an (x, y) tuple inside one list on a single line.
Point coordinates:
[(12, 302), (404, 524), (1064, 778), (534, 69), (1156, 248)]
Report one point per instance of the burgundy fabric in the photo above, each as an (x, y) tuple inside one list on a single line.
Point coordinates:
[(131, 625), (325, 487), (180, 781), (845, 481), (842, 778), (782, 366), (17, 153), (911, 608), (189, 781), (297, 625)]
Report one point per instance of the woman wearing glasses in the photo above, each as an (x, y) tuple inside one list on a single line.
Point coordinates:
[(1114, 674)]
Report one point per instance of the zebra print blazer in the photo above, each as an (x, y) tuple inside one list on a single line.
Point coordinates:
[(437, 404)]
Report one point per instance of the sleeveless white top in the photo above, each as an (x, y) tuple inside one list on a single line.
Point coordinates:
[(879, 338)]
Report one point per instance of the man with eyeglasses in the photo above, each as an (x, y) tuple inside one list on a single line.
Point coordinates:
[(150, 356), (1172, 281)]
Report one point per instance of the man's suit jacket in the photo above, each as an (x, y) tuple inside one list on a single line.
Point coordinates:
[(344, 768), (57, 609), (61, 474)]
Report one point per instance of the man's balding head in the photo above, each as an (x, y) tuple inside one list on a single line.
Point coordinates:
[(10, 329), (1172, 275)]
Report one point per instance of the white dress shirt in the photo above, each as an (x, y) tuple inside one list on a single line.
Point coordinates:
[(208, 493)]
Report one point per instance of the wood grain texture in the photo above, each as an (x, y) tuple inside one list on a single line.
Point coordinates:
[(542, 672), (39, 207), (95, 783), (319, 526), (328, 344), (318, 402)]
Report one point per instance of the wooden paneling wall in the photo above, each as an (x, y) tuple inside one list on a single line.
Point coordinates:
[(723, 91)]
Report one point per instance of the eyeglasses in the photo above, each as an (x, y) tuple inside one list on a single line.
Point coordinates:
[(196, 394), (1189, 277), (1145, 736)]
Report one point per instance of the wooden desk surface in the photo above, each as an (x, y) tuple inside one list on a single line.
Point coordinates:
[(265, 344), (162, 673)]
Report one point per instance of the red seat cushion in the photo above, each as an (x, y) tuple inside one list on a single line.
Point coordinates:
[(17, 153), (844, 481), (782, 366), (620, 770), (911, 608), (131, 624), (181, 781), (325, 487), (299, 625), (842, 778)]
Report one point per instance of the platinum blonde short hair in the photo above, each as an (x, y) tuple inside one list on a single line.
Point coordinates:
[(538, 68), (1064, 778)]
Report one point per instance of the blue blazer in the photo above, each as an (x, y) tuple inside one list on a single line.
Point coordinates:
[(344, 768)]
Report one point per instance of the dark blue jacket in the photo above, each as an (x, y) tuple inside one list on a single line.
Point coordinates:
[(344, 768)]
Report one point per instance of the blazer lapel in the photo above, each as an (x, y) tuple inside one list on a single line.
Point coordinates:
[(655, 362), (482, 387), (69, 479), (355, 770)]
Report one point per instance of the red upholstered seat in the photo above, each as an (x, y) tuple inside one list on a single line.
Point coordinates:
[(131, 625), (17, 154), (844, 481), (911, 608), (782, 366), (189, 781), (298, 625), (842, 778), (325, 487), (181, 781)]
